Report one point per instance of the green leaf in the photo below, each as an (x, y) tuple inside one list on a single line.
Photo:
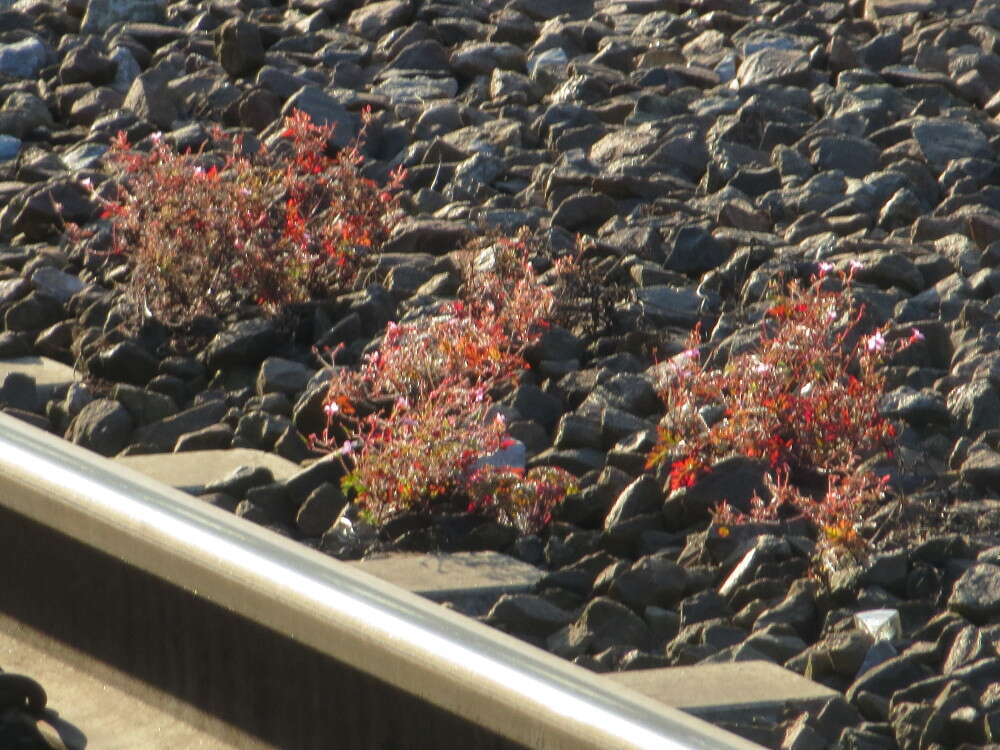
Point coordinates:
[(352, 485)]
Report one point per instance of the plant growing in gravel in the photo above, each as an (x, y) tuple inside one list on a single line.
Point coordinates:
[(528, 287), (805, 401), (203, 233), (440, 376), (427, 453)]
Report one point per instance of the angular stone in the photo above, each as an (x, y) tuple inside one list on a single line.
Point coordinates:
[(695, 251), (245, 342), (789, 67), (976, 594), (942, 140), (605, 623), (238, 47), (375, 20), (279, 375), (878, 9), (102, 14), (320, 509), (653, 580), (527, 614), (24, 58), (150, 98), (163, 434), (103, 426), (56, 284)]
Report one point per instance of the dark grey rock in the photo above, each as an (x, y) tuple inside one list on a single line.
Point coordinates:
[(544, 10), (165, 433), (102, 14), (527, 614), (482, 58), (588, 507), (151, 99), (213, 437), (625, 392), (919, 408), (577, 569), (798, 610), (144, 406), (734, 480), (320, 509), (644, 495), (537, 405), (125, 362), (975, 406), (242, 343), (425, 55), (259, 429), (605, 623), (103, 426), (85, 64), (575, 431), (976, 594), (375, 20), (584, 210), (58, 285), (788, 67), (855, 157), (981, 467), (33, 313), (702, 607), (18, 391), (238, 47), (654, 580), (240, 480), (302, 483), (891, 675), (278, 375), (942, 139), (23, 58)]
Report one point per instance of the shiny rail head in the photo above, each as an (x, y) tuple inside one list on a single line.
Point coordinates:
[(511, 688)]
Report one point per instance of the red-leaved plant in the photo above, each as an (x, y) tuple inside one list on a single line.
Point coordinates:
[(415, 421), (805, 401), (204, 233)]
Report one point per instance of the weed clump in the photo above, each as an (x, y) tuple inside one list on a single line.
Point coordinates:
[(417, 419), (805, 401), (203, 234)]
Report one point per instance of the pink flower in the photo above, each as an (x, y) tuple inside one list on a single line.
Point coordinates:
[(691, 354), (347, 448), (875, 342), (916, 336), (331, 408), (825, 268), (856, 265)]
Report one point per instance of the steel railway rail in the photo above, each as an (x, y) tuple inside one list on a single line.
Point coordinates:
[(275, 641)]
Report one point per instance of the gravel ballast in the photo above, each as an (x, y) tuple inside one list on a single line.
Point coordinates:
[(702, 148)]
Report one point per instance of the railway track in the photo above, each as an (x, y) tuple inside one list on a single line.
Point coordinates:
[(169, 623)]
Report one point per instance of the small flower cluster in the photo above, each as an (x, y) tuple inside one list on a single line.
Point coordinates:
[(203, 234), (417, 418), (805, 402)]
